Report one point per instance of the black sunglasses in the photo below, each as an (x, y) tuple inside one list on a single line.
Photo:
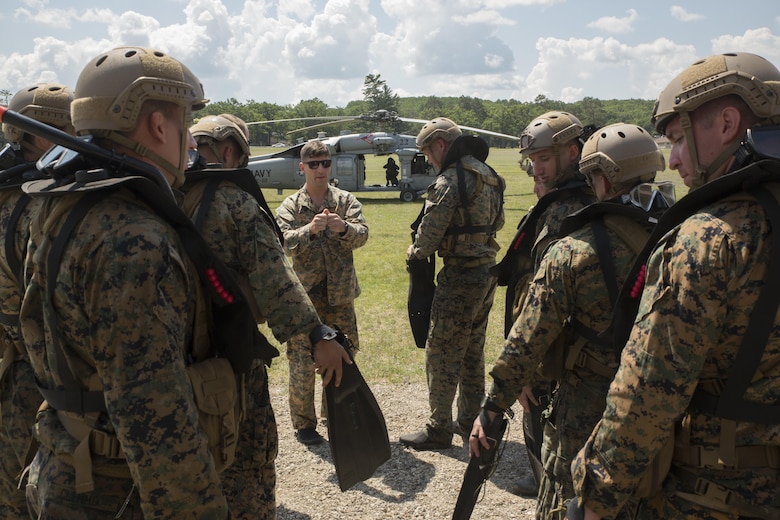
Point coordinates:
[(315, 164)]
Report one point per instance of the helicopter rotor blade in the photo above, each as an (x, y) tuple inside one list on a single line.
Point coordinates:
[(318, 125), (489, 132), (313, 118)]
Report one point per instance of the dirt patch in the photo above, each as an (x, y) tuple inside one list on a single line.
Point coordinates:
[(411, 485)]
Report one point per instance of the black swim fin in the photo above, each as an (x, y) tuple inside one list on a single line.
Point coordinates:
[(357, 431), (420, 297)]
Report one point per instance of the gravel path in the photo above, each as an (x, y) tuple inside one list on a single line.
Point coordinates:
[(411, 485)]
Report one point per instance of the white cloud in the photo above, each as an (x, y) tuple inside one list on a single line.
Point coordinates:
[(758, 41), (283, 51), (680, 13), (570, 69), (613, 24)]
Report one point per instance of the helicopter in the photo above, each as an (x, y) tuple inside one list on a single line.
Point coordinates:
[(280, 170)]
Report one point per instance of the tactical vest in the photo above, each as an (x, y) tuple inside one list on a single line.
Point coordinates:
[(516, 268), (468, 231), (631, 225), (760, 182), (224, 348)]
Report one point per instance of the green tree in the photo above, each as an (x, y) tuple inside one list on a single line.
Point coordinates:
[(378, 95)]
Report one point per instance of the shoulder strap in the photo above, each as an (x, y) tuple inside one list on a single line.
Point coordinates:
[(526, 231), (243, 179), (731, 403), (72, 398), (606, 262)]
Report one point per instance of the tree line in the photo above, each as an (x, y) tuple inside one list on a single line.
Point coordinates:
[(506, 116)]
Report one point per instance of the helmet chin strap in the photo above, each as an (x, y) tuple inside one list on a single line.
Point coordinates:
[(702, 173), (176, 172)]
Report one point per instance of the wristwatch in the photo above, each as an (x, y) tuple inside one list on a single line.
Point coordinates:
[(321, 332)]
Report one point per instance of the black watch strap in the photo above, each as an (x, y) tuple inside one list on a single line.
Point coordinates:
[(321, 332)]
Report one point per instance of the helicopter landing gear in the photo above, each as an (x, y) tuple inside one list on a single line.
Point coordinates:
[(408, 195)]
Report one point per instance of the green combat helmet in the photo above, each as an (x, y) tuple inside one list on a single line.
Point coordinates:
[(755, 80), (553, 130), (624, 153), (113, 87), (212, 129), (45, 102)]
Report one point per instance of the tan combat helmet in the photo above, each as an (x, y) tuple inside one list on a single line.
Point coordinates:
[(554, 130), (113, 87), (754, 79), (212, 129), (441, 127), (45, 102), (624, 153)]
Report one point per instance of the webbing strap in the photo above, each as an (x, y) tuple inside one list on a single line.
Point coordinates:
[(205, 202), (730, 404), (605, 259), (10, 239), (73, 398)]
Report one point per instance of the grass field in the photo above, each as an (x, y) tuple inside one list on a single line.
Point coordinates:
[(388, 352)]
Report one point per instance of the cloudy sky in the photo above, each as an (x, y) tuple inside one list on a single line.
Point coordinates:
[(283, 51)]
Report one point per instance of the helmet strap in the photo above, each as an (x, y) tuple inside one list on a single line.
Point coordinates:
[(702, 174), (143, 151)]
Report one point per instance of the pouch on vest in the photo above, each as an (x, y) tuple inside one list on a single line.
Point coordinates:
[(216, 396), (653, 477)]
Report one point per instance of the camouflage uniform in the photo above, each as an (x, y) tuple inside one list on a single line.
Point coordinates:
[(568, 283), (702, 283), (454, 353), (324, 264), (575, 196), (123, 306), (235, 228), (19, 397)]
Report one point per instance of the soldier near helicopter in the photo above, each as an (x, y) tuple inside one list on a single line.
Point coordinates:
[(551, 144)]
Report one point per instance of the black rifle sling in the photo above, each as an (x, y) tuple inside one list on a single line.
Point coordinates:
[(730, 404), (72, 398)]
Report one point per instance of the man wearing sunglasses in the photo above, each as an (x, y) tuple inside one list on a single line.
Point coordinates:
[(322, 225)]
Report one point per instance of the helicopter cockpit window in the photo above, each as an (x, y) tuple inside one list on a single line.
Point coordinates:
[(344, 166)]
